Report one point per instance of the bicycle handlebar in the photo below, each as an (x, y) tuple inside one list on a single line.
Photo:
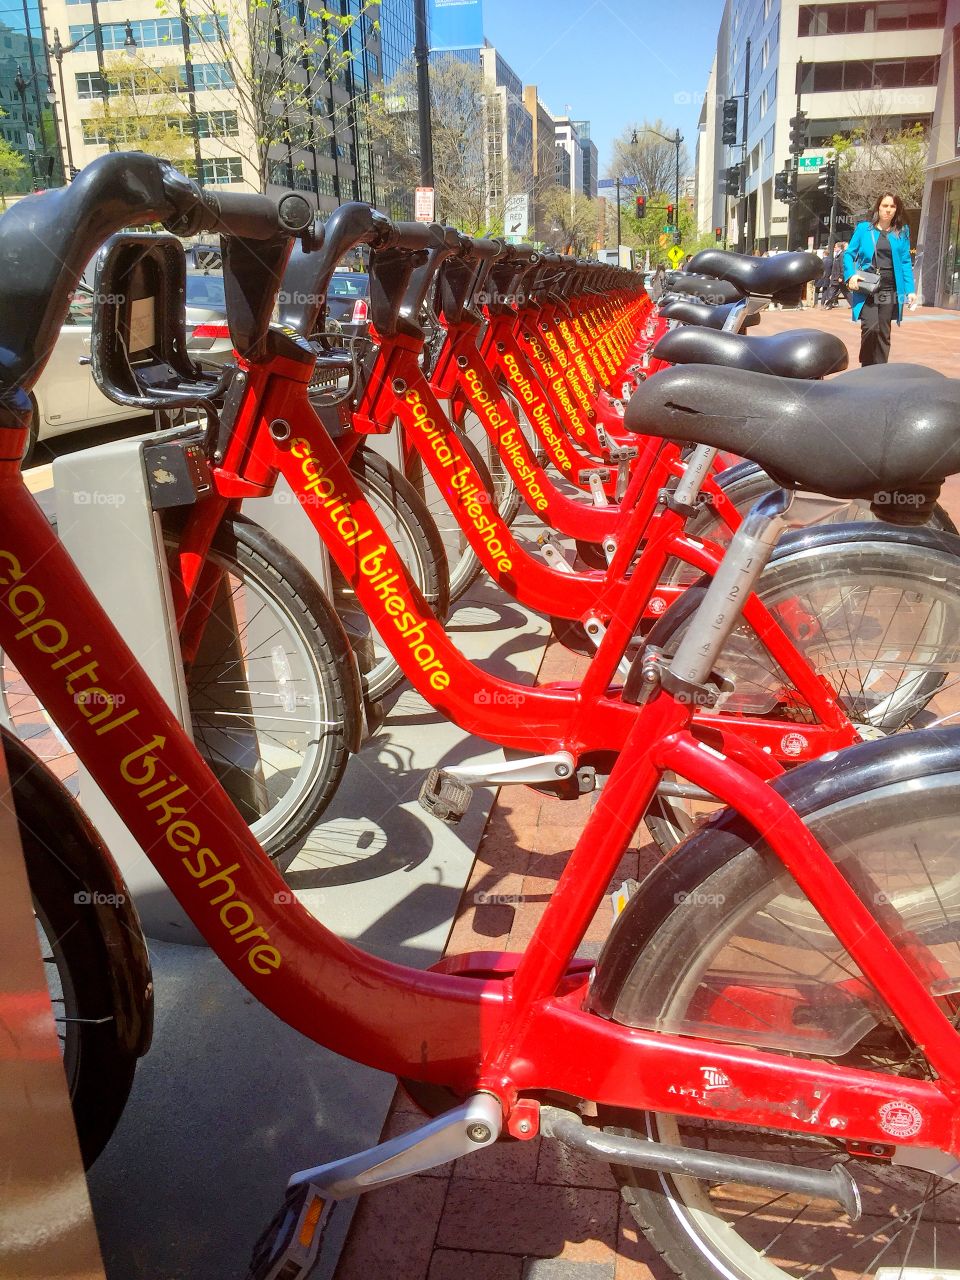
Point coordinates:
[(46, 240)]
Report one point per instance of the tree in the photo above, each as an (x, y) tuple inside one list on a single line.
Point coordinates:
[(12, 166), (284, 64), (468, 194), (872, 158), (572, 221), (144, 112), (651, 159)]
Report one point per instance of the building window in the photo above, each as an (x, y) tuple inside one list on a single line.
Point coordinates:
[(212, 75), (853, 76), (221, 170), (152, 33), (850, 19)]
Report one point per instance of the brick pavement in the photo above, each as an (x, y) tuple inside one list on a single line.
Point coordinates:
[(530, 1210)]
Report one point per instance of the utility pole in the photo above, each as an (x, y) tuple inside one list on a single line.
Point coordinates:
[(793, 212), (742, 229), (619, 211), (421, 54)]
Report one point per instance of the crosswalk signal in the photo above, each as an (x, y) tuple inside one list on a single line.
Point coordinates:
[(798, 134), (729, 127), (641, 206), (827, 180)]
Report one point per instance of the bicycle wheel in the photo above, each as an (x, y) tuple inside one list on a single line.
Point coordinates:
[(722, 944), (274, 695), (94, 954), (878, 620), (744, 484), (463, 563), (410, 527)]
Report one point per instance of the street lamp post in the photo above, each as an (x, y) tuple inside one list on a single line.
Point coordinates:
[(21, 83), (57, 51)]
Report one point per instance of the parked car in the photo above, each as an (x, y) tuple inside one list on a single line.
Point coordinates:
[(66, 398), (348, 304)]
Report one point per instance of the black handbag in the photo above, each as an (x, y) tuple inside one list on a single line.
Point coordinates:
[(868, 282)]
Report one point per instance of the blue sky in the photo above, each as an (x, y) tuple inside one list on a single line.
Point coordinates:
[(615, 62)]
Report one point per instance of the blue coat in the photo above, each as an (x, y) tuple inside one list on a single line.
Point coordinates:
[(859, 254)]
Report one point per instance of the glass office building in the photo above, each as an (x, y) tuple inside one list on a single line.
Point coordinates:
[(28, 125)]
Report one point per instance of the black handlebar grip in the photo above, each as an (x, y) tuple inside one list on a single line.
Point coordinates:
[(413, 236), (481, 250)]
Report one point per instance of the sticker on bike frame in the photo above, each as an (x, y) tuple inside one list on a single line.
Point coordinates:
[(900, 1119), (793, 744)]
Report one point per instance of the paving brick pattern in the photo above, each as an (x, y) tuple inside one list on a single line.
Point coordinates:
[(531, 1210)]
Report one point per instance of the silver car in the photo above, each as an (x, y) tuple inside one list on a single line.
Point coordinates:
[(66, 398)]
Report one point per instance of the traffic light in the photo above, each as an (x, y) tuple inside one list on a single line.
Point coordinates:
[(827, 179), (641, 206), (718, 234), (670, 215), (798, 134), (730, 180), (729, 128), (782, 186), (678, 236)]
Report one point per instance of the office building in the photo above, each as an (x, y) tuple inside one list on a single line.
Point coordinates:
[(199, 67), (589, 160), (29, 125), (851, 63), (938, 244)]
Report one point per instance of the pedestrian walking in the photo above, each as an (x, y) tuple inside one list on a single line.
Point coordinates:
[(823, 283), (837, 283), (877, 268)]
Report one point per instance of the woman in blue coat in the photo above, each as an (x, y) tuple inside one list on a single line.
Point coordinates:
[(882, 245)]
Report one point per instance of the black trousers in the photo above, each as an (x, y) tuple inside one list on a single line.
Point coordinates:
[(832, 290), (875, 320)]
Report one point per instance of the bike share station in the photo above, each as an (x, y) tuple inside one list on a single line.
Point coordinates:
[(229, 1099)]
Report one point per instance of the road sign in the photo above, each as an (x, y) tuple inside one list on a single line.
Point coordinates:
[(423, 205), (676, 254), (604, 183), (516, 216), (814, 160), (663, 241)]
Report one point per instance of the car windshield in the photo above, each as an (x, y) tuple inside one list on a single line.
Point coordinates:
[(205, 291), (349, 285)]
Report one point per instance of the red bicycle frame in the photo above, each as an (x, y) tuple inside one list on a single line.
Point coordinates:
[(528, 1029)]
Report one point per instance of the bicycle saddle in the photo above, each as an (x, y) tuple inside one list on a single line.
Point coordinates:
[(706, 289), (892, 441), (804, 353), (689, 311), (762, 277)]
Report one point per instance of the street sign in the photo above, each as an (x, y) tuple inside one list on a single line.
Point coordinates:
[(676, 254), (604, 183), (423, 204), (516, 217), (815, 160)]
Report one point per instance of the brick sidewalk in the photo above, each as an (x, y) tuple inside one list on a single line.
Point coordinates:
[(526, 1210)]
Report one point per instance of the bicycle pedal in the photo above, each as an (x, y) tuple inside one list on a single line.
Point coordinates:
[(447, 798), (289, 1247)]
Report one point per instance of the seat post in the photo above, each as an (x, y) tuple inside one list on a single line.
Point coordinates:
[(747, 556)]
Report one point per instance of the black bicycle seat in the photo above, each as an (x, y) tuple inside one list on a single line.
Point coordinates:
[(688, 311), (761, 277), (706, 289), (890, 440), (804, 353)]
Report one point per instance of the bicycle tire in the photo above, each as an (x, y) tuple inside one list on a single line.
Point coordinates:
[(725, 901), (410, 525), (95, 956), (264, 570), (744, 484), (463, 563), (854, 648)]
